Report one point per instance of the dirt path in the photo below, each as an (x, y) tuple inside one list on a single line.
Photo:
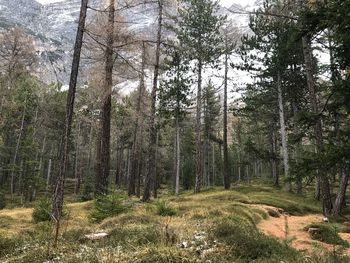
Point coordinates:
[(276, 226)]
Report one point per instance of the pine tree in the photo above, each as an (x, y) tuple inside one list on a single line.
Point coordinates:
[(174, 100), (199, 32)]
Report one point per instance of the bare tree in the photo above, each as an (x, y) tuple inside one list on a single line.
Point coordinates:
[(150, 176), (57, 202), (103, 149)]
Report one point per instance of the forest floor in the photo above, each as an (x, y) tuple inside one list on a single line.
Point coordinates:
[(246, 224)]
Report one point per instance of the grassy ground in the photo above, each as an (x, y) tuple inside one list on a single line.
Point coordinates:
[(213, 226)]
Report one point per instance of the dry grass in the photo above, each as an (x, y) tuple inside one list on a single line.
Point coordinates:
[(140, 235)]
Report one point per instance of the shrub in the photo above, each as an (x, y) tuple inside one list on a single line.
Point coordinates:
[(2, 200), (107, 206), (42, 211), (327, 234), (273, 213), (163, 208)]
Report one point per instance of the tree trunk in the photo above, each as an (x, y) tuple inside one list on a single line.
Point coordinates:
[(324, 181), (119, 168), (299, 180), (140, 164), (77, 173), (57, 202), (340, 199), (156, 181), (150, 176), (177, 181), (48, 177), (273, 160), (103, 164), (198, 182), (283, 131), (89, 165), (225, 146), (128, 163)]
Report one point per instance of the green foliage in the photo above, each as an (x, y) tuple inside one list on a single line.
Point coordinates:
[(199, 30), (174, 91), (107, 206), (88, 190), (273, 213), (42, 211), (2, 200), (212, 109), (327, 234), (163, 208)]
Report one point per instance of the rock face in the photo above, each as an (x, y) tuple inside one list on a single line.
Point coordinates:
[(54, 26)]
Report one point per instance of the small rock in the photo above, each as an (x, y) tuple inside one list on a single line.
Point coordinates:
[(325, 219), (184, 244), (96, 236)]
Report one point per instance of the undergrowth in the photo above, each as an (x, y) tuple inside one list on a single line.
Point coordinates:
[(107, 206), (326, 233), (215, 226)]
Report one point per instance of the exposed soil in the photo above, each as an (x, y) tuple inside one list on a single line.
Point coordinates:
[(287, 227)]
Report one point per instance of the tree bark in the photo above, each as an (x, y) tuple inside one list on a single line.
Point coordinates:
[(150, 176), (198, 182), (225, 146), (340, 199), (177, 180), (48, 177), (103, 164), (77, 173), (275, 176), (157, 179), (57, 202), (283, 131)]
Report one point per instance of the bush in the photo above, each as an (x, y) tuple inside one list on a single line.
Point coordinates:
[(2, 200), (327, 234), (273, 213), (42, 211), (163, 208), (107, 206)]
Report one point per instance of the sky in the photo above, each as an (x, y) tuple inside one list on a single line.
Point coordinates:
[(226, 3)]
